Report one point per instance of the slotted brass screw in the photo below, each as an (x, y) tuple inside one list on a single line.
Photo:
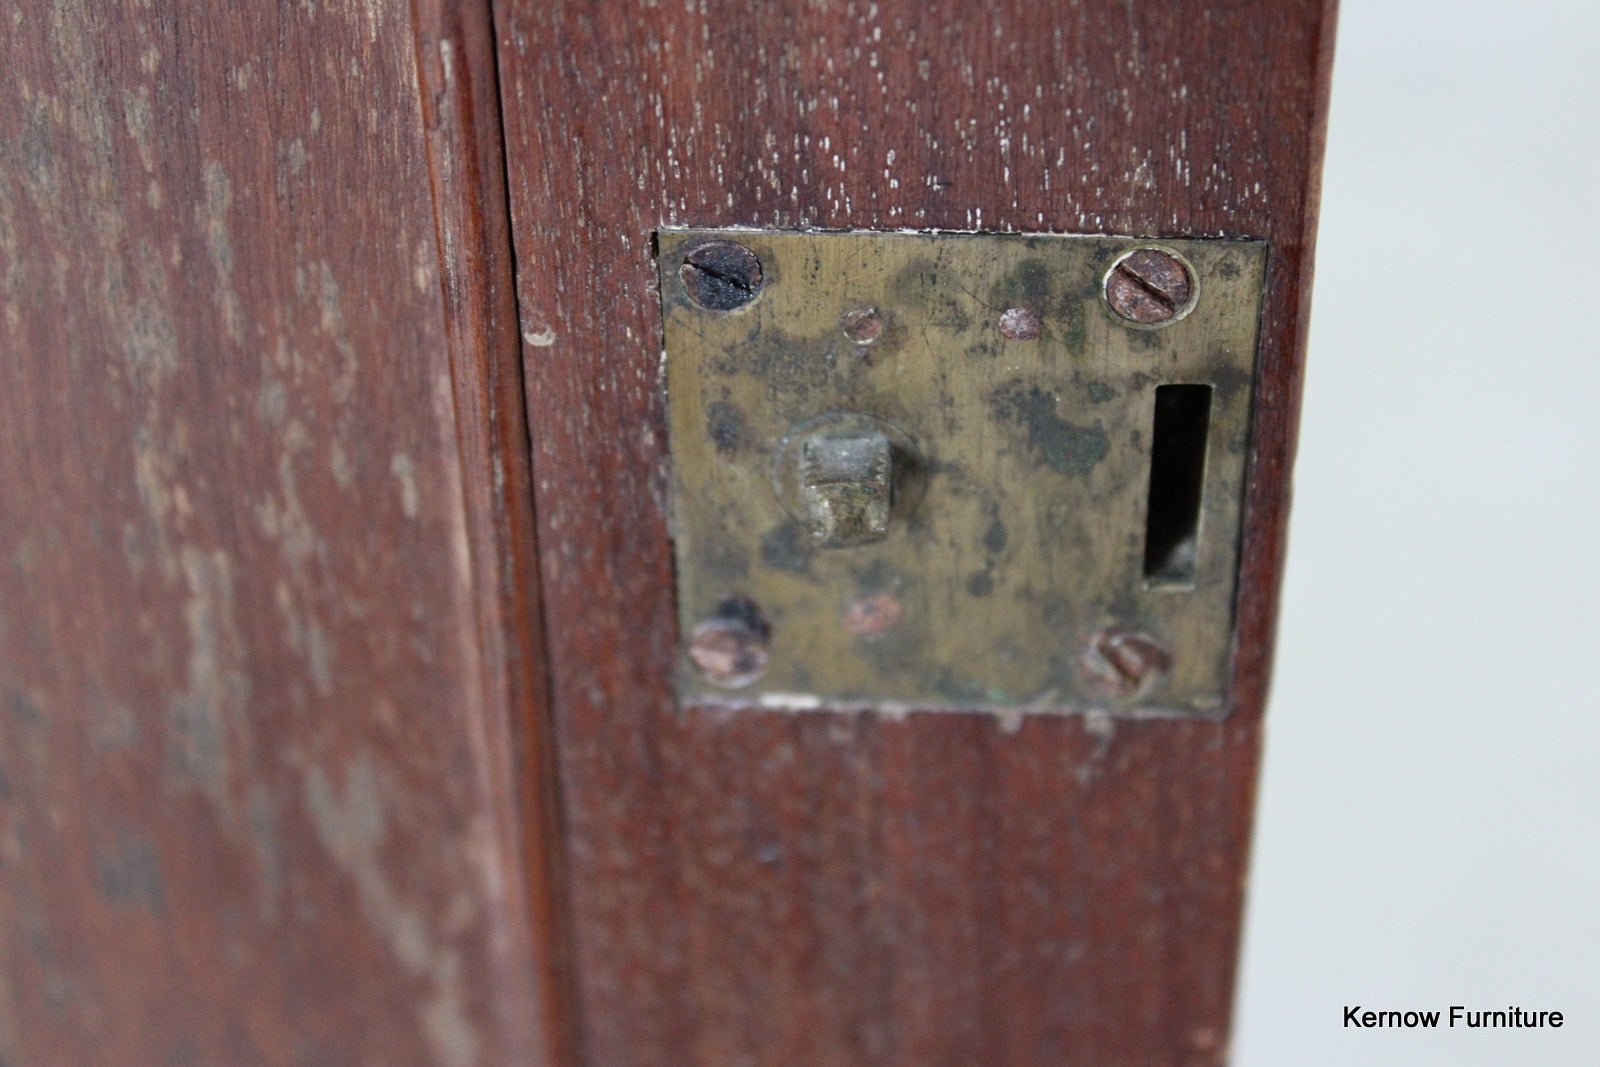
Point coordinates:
[(1149, 286), (1123, 664), (731, 649), (721, 275)]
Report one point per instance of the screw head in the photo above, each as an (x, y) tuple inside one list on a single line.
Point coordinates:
[(1150, 287), (862, 325), (730, 649), (721, 275), (1020, 324), (1123, 664)]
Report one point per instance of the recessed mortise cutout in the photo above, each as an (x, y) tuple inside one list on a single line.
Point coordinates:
[(1177, 484)]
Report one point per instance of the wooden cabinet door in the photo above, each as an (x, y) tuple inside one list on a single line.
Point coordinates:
[(755, 887)]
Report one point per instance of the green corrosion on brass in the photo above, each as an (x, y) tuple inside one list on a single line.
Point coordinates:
[(925, 460)]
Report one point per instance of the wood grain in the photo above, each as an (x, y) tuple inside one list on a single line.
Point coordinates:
[(760, 888), (466, 154), (269, 662)]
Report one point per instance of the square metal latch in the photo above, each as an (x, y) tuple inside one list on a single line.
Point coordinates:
[(958, 471)]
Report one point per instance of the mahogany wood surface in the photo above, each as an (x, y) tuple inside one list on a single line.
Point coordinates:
[(270, 753), (276, 781), (759, 888)]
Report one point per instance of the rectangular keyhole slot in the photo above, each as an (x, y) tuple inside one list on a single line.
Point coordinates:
[(1177, 484)]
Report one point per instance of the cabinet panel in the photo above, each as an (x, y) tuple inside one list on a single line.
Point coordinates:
[(257, 769), (759, 887)]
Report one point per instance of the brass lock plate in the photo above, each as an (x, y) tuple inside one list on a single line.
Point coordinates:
[(949, 471)]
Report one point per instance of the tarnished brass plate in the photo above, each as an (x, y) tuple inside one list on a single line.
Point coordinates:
[(1018, 580)]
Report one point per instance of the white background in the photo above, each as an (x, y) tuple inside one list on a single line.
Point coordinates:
[(1429, 821)]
